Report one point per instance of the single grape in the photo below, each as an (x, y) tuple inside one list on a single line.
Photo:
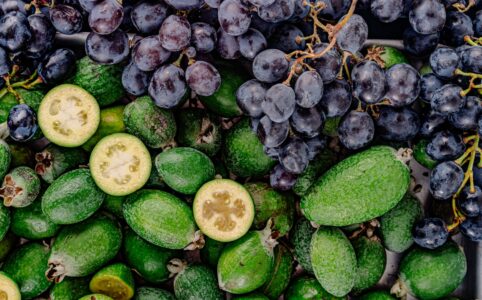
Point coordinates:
[(266, 28), (7, 6), (279, 103), (261, 2), (368, 82), (5, 62), (469, 202), (203, 78), (278, 11), (228, 46), (335, 9), (280, 179), (447, 99), (14, 31), (107, 49), (353, 34), (272, 134), (418, 44), (315, 146), (57, 66), (387, 11), (445, 145), (478, 23), (175, 33), (106, 17), (147, 16), (43, 36), (148, 54), (302, 9), (458, 26), (249, 97), (431, 123), (445, 180), (444, 61), (429, 83), (356, 130), (471, 228), (466, 118), (184, 4), (430, 233), (234, 17), (397, 124), (294, 156), (88, 5), (203, 37), (22, 123), (134, 80), (328, 66), (66, 19), (270, 65), (308, 89), (307, 122), (251, 43), (336, 98), (213, 3), (287, 38), (471, 59), (403, 85), (427, 16), (168, 86)]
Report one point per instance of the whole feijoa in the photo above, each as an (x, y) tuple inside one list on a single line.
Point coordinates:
[(20, 187)]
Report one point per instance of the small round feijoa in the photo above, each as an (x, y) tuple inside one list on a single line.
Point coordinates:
[(8, 288), (68, 115), (120, 164), (223, 210)]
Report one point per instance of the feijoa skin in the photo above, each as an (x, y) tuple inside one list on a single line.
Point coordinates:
[(155, 126), (184, 169), (333, 260), (70, 288), (243, 152), (281, 273), (365, 186), (7, 244), (160, 218), (322, 162), (72, 198), (27, 266), (396, 225), (377, 295), (31, 223), (251, 296), (20, 187), (371, 261), (196, 282), (149, 293), (211, 251), (81, 249), (300, 238), (421, 156), (5, 158), (113, 204), (4, 221), (308, 288), (54, 161), (111, 121), (432, 274), (148, 260)]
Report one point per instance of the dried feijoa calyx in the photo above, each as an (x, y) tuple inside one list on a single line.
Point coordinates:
[(115, 281), (223, 210), (8, 288), (68, 115), (120, 164), (20, 187)]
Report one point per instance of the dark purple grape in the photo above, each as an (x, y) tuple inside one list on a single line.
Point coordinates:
[(403, 85), (106, 17), (308, 89), (279, 103), (249, 97), (447, 99), (203, 78), (477, 20), (261, 2), (278, 11), (294, 156), (336, 98), (368, 82), (280, 179), (57, 66), (466, 118), (135, 81), (387, 10), (88, 5), (471, 59), (7, 6), (430, 233), (302, 9), (429, 83), (397, 124), (66, 19), (127, 24), (432, 122), (5, 62), (228, 46), (427, 16), (168, 86), (270, 65), (353, 34), (175, 33), (315, 146), (471, 228), (203, 37), (184, 4), (107, 49), (444, 61), (285, 38), (328, 66), (445, 180), (213, 3), (335, 9), (418, 44), (251, 43), (307, 122), (43, 36), (148, 54), (356, 130), (272, 134), (266, 28), (457, 27), (470, 203), (445, 145), (147, 16), (22, 123), (234, 17), (14, 31)]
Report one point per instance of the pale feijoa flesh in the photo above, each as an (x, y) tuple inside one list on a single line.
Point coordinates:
[(8, 288)]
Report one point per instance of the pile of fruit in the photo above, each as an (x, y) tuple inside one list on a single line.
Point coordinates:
[(238, 149)]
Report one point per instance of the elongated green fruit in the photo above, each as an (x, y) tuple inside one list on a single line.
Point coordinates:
[(4, 221), (31, 223), (322, 162), (194, 281), (308, 288), (149, 293), (7, 244), (70, 289), (377, 295), (362, 187), (300, 237), (371, 260), (281, 273)]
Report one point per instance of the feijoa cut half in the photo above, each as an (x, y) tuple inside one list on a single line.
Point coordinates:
[(8, 288), (120, 164), (115, 281), (223, 210), (68, 115)]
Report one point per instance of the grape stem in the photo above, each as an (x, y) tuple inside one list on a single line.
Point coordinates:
[(472, 85), (462, 8)]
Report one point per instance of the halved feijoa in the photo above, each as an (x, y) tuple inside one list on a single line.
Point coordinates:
[(120, 164), (96, 297), (115, 281), (68, 115), (223, 210), (8, 288)]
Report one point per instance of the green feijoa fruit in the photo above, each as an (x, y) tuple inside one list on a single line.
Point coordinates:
[(155, 180), (113, 204), (421, 156), (20, 187), (431, 274), (308, 288), (246, 264), (194, 281), (7, 244), (365, 186), (300, 238), (161, 219), (251, 296), (31, 223), (271, 204), (71, 198), (6, 103), (68, 115), (211, 251), (322, 162), (5, 221), (377, 295), (111, 121), (223, 210), (371, 260), (243, 152), (96, 297), (120, 164), (5, 158), (280, 275), (115, 281), (184, 169), (81, 249), (104, 82), (386, 56), (198, 130), (155, 126), (8, 288), (27, 266), (331, 126), (22, 155), (30, 97), (149, 293), (396, 225), (54, 161), (148, 260), (70, 288), (333, 260), (223, 102)]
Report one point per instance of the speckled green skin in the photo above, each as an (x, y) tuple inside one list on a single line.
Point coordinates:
[(300, 238), (421, 156), (361, 187), (331, 126), (322, 162), (111, 121), (4, 220), (211, 251), (118, 271), (378, 295), (371, 261), (160, 218), (184, 169), (223, 102), (280, 275), (252, 296), (149, 293), (197, 282), (32, 224), (26, 179), (96, 297), (59, 161), (198, 130), (146, 259), (433, 274), (113, 204), (104, 82), (73, 197), (392, 56), (70, 289), (307, 288), (396, 225), (27, 266), (245, 264), (83, 248), (155, 126), (5, 158), (7, 244), (269, 203), (22, 155), (333, 260), (31, 97), (243, 152)]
